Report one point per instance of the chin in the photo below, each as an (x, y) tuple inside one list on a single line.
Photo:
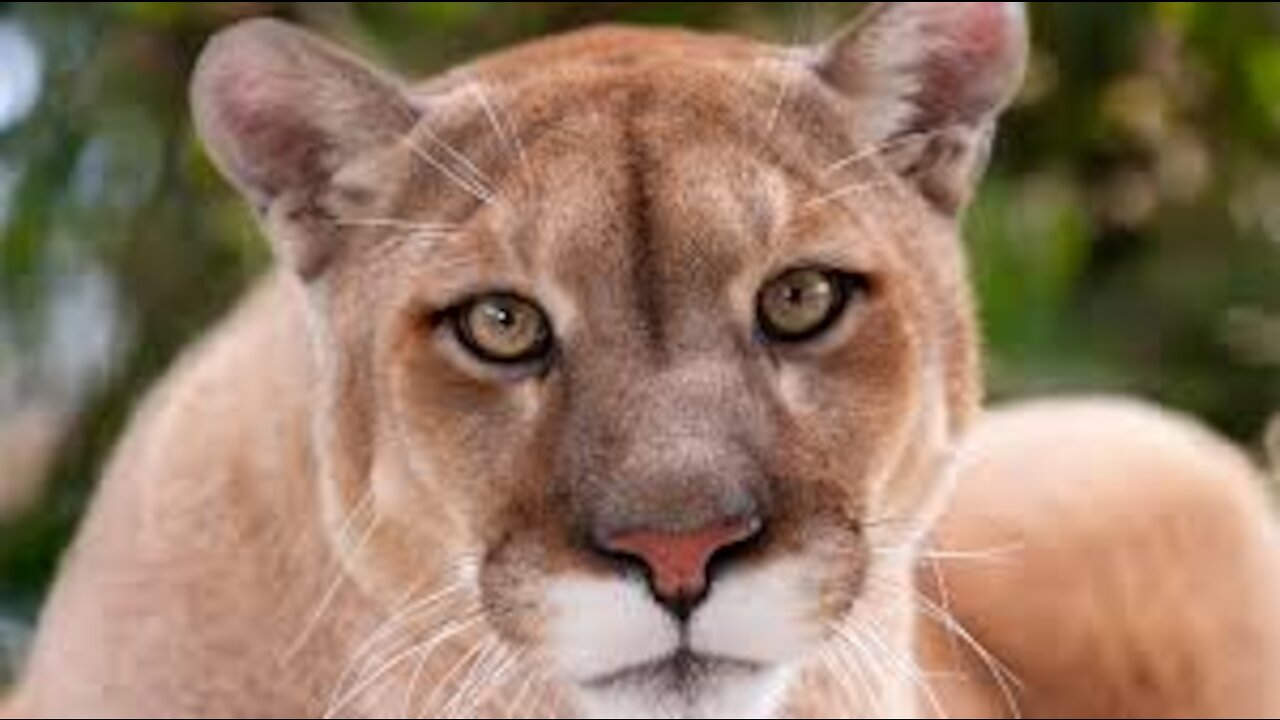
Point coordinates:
[(686, 685), (623, 656)]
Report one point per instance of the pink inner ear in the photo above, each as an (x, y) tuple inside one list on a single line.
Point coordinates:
[(256, 117), (973, 55)]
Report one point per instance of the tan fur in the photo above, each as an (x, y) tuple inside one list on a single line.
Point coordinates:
[(331, 453), (1123, 562)]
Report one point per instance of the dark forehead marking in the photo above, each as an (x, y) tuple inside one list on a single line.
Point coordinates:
[(645, 253)]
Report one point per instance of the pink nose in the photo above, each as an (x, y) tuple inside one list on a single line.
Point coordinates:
[(677, 562)]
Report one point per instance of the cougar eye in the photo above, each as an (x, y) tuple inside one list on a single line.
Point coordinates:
[(503, 329), (801, 305)]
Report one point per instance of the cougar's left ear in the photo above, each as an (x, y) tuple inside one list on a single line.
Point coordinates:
[(929, 80), (280, 112)]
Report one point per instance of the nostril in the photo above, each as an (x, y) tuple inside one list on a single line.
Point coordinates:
[(678, 563)]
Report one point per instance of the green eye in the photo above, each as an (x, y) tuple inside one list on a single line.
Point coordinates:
[(801, 305), (504, 329)]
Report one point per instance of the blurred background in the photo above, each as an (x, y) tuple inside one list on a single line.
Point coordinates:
[(1127, 241)]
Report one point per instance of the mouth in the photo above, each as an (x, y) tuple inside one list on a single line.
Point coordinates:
[(683, 673)]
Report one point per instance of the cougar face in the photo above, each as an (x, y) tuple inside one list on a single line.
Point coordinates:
[(647, 349)]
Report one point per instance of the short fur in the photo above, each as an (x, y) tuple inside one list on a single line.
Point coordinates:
[(331, 508)]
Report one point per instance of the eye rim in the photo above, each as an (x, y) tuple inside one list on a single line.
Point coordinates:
[(850, 287), (538, 354)]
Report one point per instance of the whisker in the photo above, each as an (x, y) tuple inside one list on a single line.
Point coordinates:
[(944, 597), (837, 194), (468, 185), (466, 663), (395, 224), (500, 126), (411, 610), (488, 671), (909, 666), (804, 21), (418, 610), (511, 665), (477, 175), (870, 660), (1006, 680), (874, 150), (451, 630), (500, 122), (995, 554), (839, 665), (1004, 677), (783, 95), (531, 678), (477, 671), (364, 506), (422, 657)]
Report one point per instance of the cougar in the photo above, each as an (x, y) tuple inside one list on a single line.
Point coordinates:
[(635, 373)]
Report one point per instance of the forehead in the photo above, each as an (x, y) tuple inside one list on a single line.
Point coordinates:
[(653, 185)]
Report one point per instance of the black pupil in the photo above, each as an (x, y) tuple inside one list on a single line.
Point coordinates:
[(797, 294), (503, 315)]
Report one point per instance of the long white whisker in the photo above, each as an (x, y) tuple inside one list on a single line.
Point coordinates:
[(837, 194), (466, 184), (994, 554), (396, 224), (532, 677), (1006, 680), (478, 670), (792, 64), (486, 673), (363, 507), (476, 174), (1000, 553), (877, 668), (839, 665), (450, 631), (409, 611), (502, 127), (909, 667), (386, 631), (467, 661), (452, 590), (497, 680), (482, 97), (783, 96), (944, 596), (875, 150), (1004, 677)]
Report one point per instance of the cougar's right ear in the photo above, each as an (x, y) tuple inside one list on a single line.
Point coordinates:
[(280, 111)]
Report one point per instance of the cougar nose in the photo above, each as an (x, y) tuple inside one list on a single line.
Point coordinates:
[(678, 562)]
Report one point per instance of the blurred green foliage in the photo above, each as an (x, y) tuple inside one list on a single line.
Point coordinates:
[(1128, 239)]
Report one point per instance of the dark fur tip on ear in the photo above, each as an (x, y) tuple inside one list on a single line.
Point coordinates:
[(281, 111)]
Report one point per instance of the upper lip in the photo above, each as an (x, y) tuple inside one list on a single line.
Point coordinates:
[(682, 665)]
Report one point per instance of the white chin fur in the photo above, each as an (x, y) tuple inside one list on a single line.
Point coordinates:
[(598, 628), (759, 615), (758, 695)]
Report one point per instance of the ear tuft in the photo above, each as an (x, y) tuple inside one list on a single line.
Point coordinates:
[(941, 70)]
